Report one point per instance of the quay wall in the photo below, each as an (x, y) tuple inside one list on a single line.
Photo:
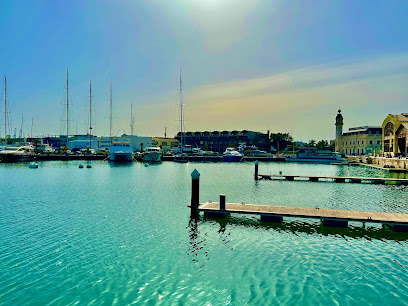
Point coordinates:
[(398, 163)]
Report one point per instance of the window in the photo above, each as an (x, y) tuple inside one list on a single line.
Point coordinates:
[(371, 142)]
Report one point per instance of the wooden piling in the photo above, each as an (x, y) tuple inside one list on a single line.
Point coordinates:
[(222, 201), (195, 191), (256, 170)]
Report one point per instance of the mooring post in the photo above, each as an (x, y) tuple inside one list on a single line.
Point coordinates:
[(256, 170), (195, 190), (222, 201)]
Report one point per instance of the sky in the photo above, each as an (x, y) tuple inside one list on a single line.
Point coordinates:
[(283, 66)]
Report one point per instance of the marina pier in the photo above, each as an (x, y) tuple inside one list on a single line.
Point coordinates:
[(325, 178), (273, 213)]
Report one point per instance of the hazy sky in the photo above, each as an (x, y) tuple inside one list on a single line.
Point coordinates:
[(282, 65)]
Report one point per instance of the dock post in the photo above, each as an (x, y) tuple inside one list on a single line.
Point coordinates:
[(222, 201), (256, 170), (195, 191)]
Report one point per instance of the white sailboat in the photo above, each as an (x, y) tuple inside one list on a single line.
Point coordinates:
[(181, 156)]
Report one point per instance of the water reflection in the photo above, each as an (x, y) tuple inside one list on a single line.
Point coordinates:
[(120, 164), (356, 230)]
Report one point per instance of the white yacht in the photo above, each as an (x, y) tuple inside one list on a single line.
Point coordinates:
[(231, 155), (152, 155), (120, 150), (17, 154), (318, 156)]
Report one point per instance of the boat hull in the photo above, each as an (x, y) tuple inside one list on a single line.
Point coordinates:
[(315, 160), (152, 157), (12, 158), (231, 158), (121, 157)]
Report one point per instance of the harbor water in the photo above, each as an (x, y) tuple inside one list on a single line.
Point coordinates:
[(122, 234)]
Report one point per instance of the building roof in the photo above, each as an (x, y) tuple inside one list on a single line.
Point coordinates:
[(363, 129)]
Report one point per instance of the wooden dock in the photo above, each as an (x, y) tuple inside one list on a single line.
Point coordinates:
[(337, 179), (273, 213), (331, 217)]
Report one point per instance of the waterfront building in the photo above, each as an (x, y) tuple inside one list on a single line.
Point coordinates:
[(79, 142), (218, 141), (165, 143), (360, 140), (394, 135)]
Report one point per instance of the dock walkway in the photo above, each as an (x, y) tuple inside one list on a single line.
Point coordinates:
[(335, 217), (337, 179)]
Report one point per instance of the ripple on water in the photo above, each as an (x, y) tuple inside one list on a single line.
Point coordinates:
[(123, 235)]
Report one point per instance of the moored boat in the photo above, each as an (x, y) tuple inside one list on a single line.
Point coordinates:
[(120, 150), (318, 156), (232, 155), (152, 155), (17, 154)]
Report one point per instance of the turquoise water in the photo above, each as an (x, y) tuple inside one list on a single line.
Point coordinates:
[(122, 234)]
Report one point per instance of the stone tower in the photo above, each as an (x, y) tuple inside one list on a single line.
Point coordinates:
[(339, 131)]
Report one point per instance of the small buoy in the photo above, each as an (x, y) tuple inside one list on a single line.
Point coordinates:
[(33, 165), (81, 166), (89, 166), (280, 172), (146, 165)]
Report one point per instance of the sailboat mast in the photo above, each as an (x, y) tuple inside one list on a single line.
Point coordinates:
[(110, 112), (32, 123), (67, 109), (5, 111), (90, 115), (181, 114)]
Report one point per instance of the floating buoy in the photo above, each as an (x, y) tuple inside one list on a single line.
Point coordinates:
[(81, 166), (33, 165), (146, 165), (89, 166)]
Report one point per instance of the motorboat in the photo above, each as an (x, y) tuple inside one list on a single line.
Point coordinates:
[(152, 155), (251, 150), (33, 165), (318, 156), (231, 155), (17, 154), (120, 150)]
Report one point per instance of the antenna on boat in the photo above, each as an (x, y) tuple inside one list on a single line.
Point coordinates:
[(90, 115), (132, 119), (110, 112)]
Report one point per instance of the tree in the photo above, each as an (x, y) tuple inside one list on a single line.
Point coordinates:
[(281, 140), (322, 144), (205, 147), (312, 143)]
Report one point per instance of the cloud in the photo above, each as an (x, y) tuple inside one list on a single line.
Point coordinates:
[(303, 102)]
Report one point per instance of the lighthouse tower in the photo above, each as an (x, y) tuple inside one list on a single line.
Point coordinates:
[(339, 130)]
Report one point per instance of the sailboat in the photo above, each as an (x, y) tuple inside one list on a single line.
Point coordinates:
[(89, 165), (181, 157)]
